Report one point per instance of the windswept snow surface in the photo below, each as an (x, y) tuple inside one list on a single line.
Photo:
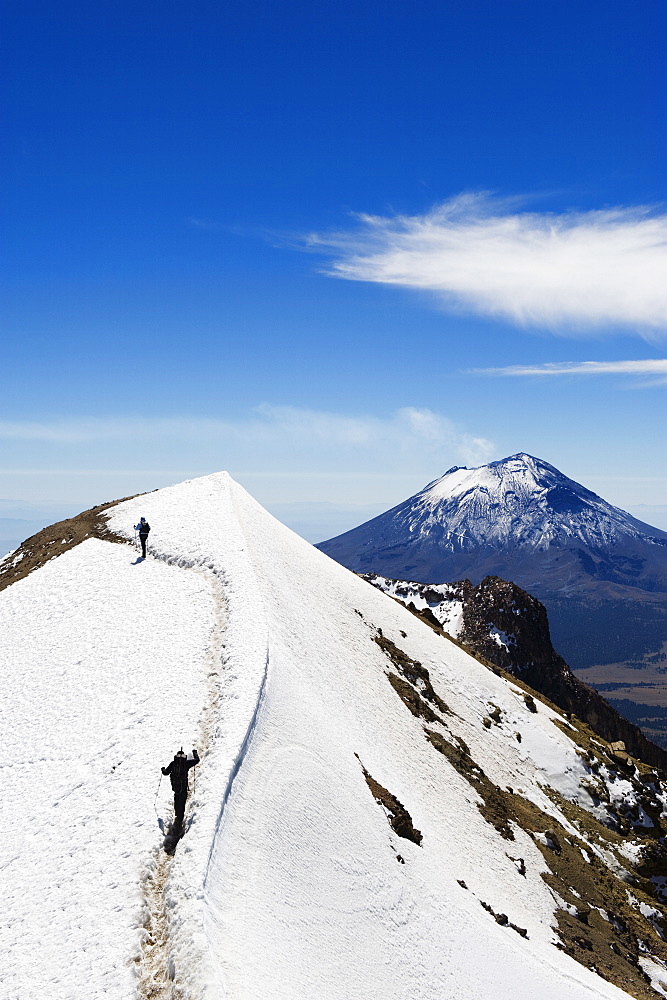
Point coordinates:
[(287, 884), (103, 677)]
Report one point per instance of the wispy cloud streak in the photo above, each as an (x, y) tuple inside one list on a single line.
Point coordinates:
[(568, 272), (654, 367), (278, 430)]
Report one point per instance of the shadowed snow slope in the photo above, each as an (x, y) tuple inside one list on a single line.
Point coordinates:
[(351, 835)]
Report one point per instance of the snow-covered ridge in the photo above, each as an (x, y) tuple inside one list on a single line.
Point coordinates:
[(197, 526), (292, 880)]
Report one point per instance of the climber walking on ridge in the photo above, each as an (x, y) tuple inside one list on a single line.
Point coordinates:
[(143, 528), (178, 775)]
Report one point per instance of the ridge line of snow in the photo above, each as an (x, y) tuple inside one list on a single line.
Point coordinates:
[(247, 596), (286, 882), (236, 767), (247, 739)]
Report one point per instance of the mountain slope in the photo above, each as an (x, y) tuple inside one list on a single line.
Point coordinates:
[(357, 828), (600, 572), (519, 519), (509, 627)]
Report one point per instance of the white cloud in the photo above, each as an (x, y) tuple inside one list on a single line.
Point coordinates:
[(407, 429), (283, 436), (657, 366), (571, 271), (75, 431)]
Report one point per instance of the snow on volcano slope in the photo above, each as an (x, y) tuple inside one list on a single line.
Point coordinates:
[(519, 519), (351, 834)]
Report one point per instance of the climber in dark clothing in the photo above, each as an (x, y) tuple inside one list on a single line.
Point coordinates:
[(178, 775), (143, 528)]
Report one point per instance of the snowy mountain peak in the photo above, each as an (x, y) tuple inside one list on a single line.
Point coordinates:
[(525, 501), (521, 475), (520, 500), (520, 506)]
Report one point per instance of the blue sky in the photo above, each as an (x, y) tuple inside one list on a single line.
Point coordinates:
[(283, 238)]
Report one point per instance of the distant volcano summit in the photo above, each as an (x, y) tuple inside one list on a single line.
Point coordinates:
[(520, 519)]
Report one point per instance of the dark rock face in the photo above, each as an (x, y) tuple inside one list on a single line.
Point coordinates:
[(496, 606), (510, 628), (399, 818)]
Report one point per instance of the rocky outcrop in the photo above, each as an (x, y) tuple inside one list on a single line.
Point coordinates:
[(510, 628)]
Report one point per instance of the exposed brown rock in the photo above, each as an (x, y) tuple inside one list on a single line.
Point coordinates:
[(410, 697), (417, 677), (398, 816), (58, 538), (503, 920), (494, 801)]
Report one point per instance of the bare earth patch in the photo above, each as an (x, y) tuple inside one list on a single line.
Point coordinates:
[(51, 542), (398, 816)]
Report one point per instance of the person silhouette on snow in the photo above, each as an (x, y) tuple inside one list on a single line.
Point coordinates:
[(178, 775), (143, 528)]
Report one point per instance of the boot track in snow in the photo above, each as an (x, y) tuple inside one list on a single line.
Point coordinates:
[(156, 966)]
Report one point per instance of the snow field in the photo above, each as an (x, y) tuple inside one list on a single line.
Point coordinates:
[(336, 912), (301, 891), (104, 664), (287, 884)]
